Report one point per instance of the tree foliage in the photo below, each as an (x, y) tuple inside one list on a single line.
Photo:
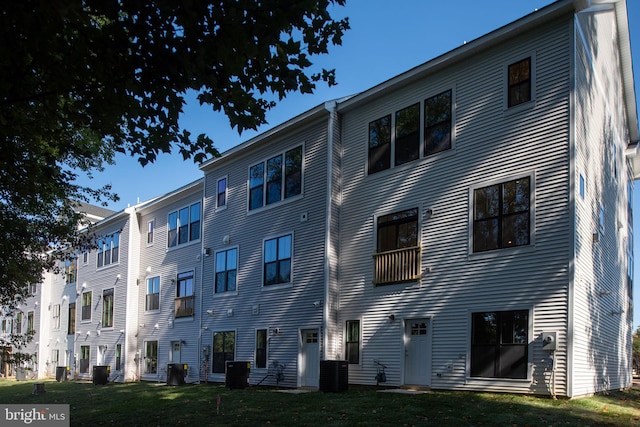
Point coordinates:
[(84, 79)]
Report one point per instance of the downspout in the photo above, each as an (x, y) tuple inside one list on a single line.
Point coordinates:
[(326, 310), (199, 345)]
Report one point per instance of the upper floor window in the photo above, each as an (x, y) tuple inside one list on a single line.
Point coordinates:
[(107, 308), (387, 148), (19, 323), (86, 306), (30, 322), (152, 301), (226, 270), (276, 179), (56, 316), (277, 260), (184, 301), (501, 215), (184, 225), (151, 226), (519, 75), (71, 324), (397, 258), (70, 271), (108, 249), (33, 288), (221, 193)]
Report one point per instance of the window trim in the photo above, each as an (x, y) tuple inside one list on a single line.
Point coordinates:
[(146, 352), (359, 341), (113, 307), (82, 320), (213, 347), (505, 84), (219, 207), (114, 249), (283, 179), (55, 316), (146, 294), (151, 231), (266, 348), (291, 275), (530, 338), (215, 269), (189, 226), (71, 321), (423, 156), (532, 215)]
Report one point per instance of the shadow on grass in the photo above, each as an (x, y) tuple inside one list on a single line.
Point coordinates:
[(146, 404)]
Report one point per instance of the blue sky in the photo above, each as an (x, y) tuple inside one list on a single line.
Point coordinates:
[(383, 42)]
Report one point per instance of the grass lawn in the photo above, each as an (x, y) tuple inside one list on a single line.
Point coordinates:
[(151, 404)]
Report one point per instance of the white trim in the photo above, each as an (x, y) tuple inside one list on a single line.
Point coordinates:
[(226, 193), (262, 262), (505, 84)]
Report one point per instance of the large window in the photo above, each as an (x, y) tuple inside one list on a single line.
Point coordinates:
[(224, 345), (184, 225), (519, 82), (226, 270), (86, 306), (85, 358), (107, 308), (151, 357), (276, 179), (152, 300), (437, 123), (277, 260), (108, 250), (261, 348), (388, 149), (499, 344), (352, 344), (71, 324), (501, 216), (398, 254), (184, 301)]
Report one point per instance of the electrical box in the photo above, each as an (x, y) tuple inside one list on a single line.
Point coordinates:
[(549, 340)]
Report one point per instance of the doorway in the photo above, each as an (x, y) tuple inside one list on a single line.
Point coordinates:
[(417, 352)]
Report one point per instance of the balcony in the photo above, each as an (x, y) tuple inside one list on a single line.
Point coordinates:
[(184, 306), (397, 266)]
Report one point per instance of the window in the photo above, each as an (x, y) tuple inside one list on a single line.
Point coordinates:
[(282, 175), (277, 260), (85, 257), (499, 344), (56, 316), (151, 357), (601, 218), (437, 123), (55, 357), (152, 301), (71, 325), (85, 358), (118, 357), (261, 348), (221, 197), (107, 308), (407, 144), (581, 186), (380, 144), (151, 226), (108, 249), (18, 323), (501, 216), (30, 322), (33, 288), (184, 301), (86, 306), (184, 225), (226, 270), (398, 254), (224, 344), (519, 74), (352, 345), (70, 271)]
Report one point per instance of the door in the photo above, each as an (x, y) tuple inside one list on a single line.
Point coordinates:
[(417, 352), (174, 357), (310, 358)]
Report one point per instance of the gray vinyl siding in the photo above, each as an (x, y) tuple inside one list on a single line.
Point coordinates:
[(491, 145), (166, 263), (602, 316), (253, 305)]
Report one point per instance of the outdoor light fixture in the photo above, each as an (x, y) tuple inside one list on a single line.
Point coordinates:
[(392, 317), (210, 312)]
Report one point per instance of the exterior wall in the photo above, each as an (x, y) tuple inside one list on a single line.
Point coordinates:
[(491, 144), (158, 260), (601, 300), (284, 308)]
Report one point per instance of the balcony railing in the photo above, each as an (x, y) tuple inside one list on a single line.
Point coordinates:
[(397, 266), (184, 306)]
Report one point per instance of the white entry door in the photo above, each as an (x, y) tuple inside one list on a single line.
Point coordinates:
[(310, 358), (417, 352), (174, 357)]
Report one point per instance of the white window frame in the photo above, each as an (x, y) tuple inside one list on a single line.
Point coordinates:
[(113, 308), (189, 240), (146, 293), (55, 310), (505, 84), (103, 241), (291, 276), (235, 291), (151, 231), (226, 192)]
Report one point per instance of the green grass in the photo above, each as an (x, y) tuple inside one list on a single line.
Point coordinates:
[(150, 404)]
